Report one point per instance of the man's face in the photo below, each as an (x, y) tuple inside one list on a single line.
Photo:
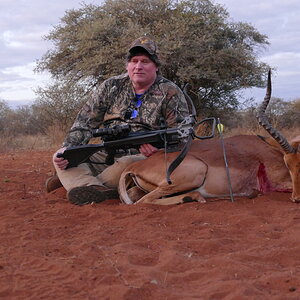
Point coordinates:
[(141, 70)]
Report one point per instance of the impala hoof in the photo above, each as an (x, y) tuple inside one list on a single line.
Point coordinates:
[(188, 199)]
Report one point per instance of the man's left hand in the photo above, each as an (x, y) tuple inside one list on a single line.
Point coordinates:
[(148, 149)]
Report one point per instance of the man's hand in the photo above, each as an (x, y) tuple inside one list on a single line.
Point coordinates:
[(60, 161), (147, 149)]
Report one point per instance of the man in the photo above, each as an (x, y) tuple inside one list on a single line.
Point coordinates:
[(141, 97)]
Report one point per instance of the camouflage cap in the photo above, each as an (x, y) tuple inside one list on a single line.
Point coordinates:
[(145, 43)]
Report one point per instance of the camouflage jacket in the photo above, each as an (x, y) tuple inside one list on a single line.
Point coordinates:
[(115, 96)]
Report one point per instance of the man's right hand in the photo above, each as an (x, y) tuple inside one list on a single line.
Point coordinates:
[(60, 161)]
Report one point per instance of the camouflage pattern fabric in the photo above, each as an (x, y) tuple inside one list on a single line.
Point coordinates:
[(112, 99), (145, 43)]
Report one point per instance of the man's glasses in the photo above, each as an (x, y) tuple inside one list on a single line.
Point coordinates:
[(132, 113), (135, 112)]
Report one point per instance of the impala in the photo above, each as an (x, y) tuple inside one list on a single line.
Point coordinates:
[(257, 165)]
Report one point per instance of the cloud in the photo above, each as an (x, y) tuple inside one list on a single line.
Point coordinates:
[(279, 20), (21, 39), (20, 47), (18, 83), (23, 24), (288, 60)]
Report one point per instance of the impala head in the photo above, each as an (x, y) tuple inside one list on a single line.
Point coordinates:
[(291, 150)]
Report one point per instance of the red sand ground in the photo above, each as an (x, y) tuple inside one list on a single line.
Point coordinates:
[(50, 249)]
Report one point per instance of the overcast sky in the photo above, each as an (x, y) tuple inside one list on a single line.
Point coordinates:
[(23, 24)]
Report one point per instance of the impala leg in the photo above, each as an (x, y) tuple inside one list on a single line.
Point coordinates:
[(135, 193), (148, 198), (153, 198)]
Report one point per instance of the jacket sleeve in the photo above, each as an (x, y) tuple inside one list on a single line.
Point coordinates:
[(89, 117)]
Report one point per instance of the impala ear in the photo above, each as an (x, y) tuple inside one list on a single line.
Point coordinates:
[(296, 146), (295, 143), (296, 139)]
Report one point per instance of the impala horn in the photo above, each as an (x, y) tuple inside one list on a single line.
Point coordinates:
[(264, 122)]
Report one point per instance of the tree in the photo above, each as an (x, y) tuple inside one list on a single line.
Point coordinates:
[(5, 110), (57, 104), (284, 114), (22, 121), (197, 41), (19, 121)]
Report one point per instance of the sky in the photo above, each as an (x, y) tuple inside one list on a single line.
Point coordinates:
[(23, 25)]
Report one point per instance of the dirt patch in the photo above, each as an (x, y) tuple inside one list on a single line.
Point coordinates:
[(51, 249)]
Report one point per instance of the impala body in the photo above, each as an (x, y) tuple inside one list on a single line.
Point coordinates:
[(256, 166)]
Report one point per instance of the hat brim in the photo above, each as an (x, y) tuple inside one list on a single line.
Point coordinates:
[(136, 47)]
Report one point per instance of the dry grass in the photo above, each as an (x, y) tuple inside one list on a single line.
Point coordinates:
[(242, 131), (56, 135), (54, 138), (51, 140), (287, 133), (28, 142)]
